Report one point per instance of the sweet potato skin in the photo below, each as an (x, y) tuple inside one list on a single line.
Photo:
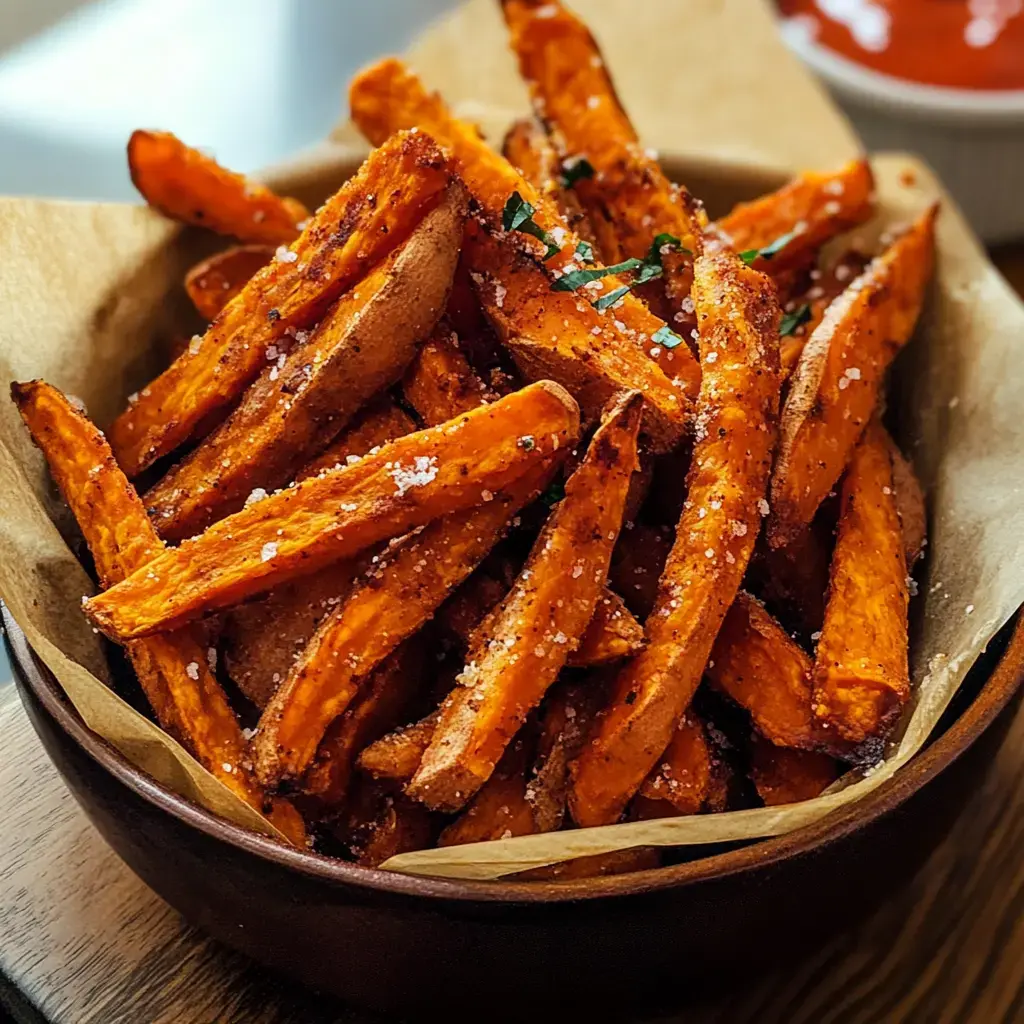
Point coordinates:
[(191, 187), (786, 776), (861, 677), (757, 664), (173, 669), (683, 777), (341, 242), (834, 389), (629, 199), (330, 517), (407, 586), (303, 399), (736, 425), (825, 203), (212, 283), (524, 644), (387, 97)]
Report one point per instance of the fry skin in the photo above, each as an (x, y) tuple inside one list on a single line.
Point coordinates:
[(525, 642), (173, 669), (757, 664), (683, 777), (861, 678), (629, 199), (834, 389), (324, 519), (737, 315), (191, 187), (784, 776), (212, 283), (387, 97), (350, 233), (303, 399), (824, 204)]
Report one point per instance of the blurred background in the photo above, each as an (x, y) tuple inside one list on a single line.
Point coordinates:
[(251, 80)]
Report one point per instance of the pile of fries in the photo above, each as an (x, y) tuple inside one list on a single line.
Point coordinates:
[(506, 493)]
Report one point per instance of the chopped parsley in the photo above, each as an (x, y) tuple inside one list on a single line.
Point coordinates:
[(518, 216), (585, 251), (666, 337), (611, 298), (771, 250), (554, 494), (791, 321), (574, 170), (578, 278)]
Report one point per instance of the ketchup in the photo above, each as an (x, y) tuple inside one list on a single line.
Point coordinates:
[(960, 44)]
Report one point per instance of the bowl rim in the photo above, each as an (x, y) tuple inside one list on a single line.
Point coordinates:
[(996, 692), (967, 107)]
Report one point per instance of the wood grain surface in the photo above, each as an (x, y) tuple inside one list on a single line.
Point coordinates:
[(82, 941)]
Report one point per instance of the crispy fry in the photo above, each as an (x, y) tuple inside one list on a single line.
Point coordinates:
[(400, 596), (387, 97), (212, 283), (527, 147), (397, 755), (440, 383), (785, 776), (527, 640), (304, 398), (611, 634), (738, 317), (834, 389), (382, 824), (910, 505), (295, 532), (755, 662), (352, 232), (822, 204), (861, 677), (552, 334), (683, 777), (173, 669), (629, 199), (386, 698), (191, 187), (262, 640)]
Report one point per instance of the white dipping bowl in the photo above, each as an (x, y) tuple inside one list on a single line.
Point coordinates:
[(974, 139)]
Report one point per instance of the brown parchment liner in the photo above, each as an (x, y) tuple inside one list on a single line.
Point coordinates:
[(92, 300)]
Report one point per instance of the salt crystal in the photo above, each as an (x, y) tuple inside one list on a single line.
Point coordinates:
[(969, 610), (593, 102), (712, 357), (423, 470), (284, 255), (192, 670), (762, 507), (268, 551), (195, 344)]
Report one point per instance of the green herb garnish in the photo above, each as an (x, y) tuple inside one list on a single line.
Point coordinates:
[(611, 298), (554, 494), (578, 278), (518, 216), (769, 251), (574, 170), (791, 321), (585, 251), (666, 337)]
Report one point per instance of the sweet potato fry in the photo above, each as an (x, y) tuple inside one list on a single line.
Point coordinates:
[(834, 389), (381, 824), (212, 283), (397, 755), (527, 147), (387, 697), (628, 197), (786, 776), (611, 634), (324, 519), (755, 662), (404, 591), (861, 677), (683, 776), (173, 669), (558, 335), (191, 187), (440, 383), (387, 97), (527, 640), (910, 504), (303, 399), (368, 217), (738, 316), (813, 208)]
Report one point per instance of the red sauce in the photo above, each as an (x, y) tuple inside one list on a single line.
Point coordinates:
[(960, 44)]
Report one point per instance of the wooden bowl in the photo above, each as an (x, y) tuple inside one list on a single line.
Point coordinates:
[(397, 942)]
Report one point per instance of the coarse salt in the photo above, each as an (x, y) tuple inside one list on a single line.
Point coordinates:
[(192, 670), (284, 255), (268, 551), (422, 471)]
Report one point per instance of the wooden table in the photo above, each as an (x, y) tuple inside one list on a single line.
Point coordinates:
[(82, 941)]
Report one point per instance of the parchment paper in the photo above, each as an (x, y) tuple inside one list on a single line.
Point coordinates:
[(92, 295)]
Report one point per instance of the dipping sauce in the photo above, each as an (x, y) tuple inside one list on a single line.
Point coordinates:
[(959, 44)]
